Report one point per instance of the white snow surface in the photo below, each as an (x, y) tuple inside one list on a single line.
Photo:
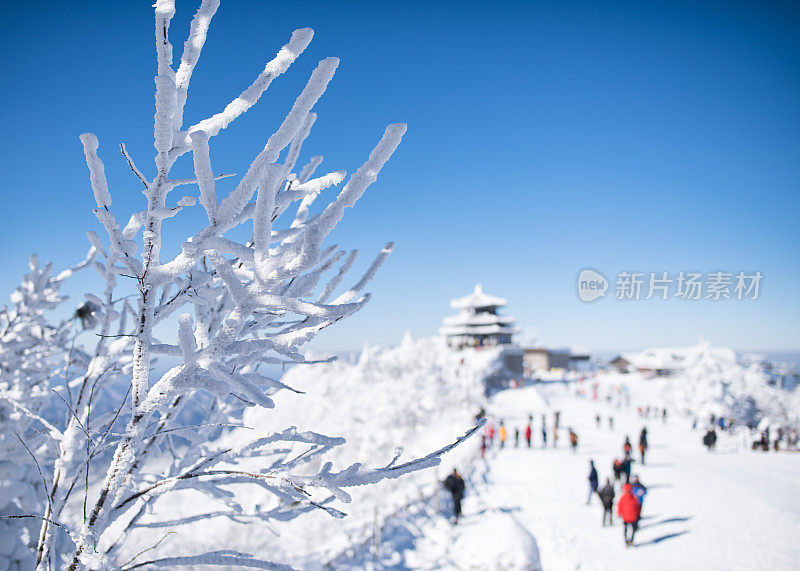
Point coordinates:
[(418, 395), (734, 509), (524, 508)]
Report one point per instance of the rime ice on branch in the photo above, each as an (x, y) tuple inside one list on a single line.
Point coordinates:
[(36, 359), (236, 306)]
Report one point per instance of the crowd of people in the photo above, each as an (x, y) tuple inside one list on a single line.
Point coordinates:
[(498, 434), (633, 491), (650, 411), (630, 488), (768, 437), (623, 487)]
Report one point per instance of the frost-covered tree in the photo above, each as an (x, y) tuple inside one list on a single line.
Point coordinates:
[(36, 357), (234, 307)]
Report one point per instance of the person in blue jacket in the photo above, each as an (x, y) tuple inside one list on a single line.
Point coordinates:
[(593, 481), (639, 490)]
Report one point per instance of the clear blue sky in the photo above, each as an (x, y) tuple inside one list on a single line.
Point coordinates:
[(543, 137)]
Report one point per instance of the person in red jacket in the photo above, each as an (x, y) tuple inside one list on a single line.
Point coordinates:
[(528, 431), (629, 509)]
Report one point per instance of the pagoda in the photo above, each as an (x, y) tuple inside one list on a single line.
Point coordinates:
[(478, 324)]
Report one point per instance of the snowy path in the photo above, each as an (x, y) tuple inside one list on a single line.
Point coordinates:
[(723, 511), (526, 509)]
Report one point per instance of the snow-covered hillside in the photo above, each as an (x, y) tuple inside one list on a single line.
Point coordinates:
[(525, 509), (420, 395)]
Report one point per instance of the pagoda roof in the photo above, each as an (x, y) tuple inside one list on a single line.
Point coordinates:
[(476, 329), (477, 299), (481, 318)]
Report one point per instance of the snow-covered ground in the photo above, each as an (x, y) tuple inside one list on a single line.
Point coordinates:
[(525, 508), (418, 395), (734, 509)]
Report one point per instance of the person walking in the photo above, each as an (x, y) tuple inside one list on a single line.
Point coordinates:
[(617, 467), (593, 481), (503, 434), (606, 495), (529, 431), (713, 440), (573, 440), (516, 437), (627, 447), (639, 490), (626, 467), (629, 509), (610, 422), (643, 443), (454, 483), (764, 440), (544, 433), (597, 421)]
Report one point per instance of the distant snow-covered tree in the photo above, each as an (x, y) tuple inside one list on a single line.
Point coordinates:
[(234, 306), (36, 357)]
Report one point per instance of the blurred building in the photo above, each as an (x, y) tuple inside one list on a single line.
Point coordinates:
[(478, 324), (542, 359)]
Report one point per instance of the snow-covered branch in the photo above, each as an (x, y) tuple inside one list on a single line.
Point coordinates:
[(224, 307)]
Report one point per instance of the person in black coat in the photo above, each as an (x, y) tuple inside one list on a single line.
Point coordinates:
[(454, 483), (606, 494), (617, 467), (710, 439), (593, 481), (626, 468), (643, 443)]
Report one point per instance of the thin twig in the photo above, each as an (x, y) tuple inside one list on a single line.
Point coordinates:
[(38, 467), (133, 166), (116, 415), (165, 431), (175, 182), (142, 552), (117, 335), (48, 520), (75, 416), (51, 430)]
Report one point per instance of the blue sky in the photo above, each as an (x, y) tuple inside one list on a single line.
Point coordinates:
[(544, 137)]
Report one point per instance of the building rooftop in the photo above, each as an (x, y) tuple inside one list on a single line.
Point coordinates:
[(476, 329), (477, 299), (482, 318)]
